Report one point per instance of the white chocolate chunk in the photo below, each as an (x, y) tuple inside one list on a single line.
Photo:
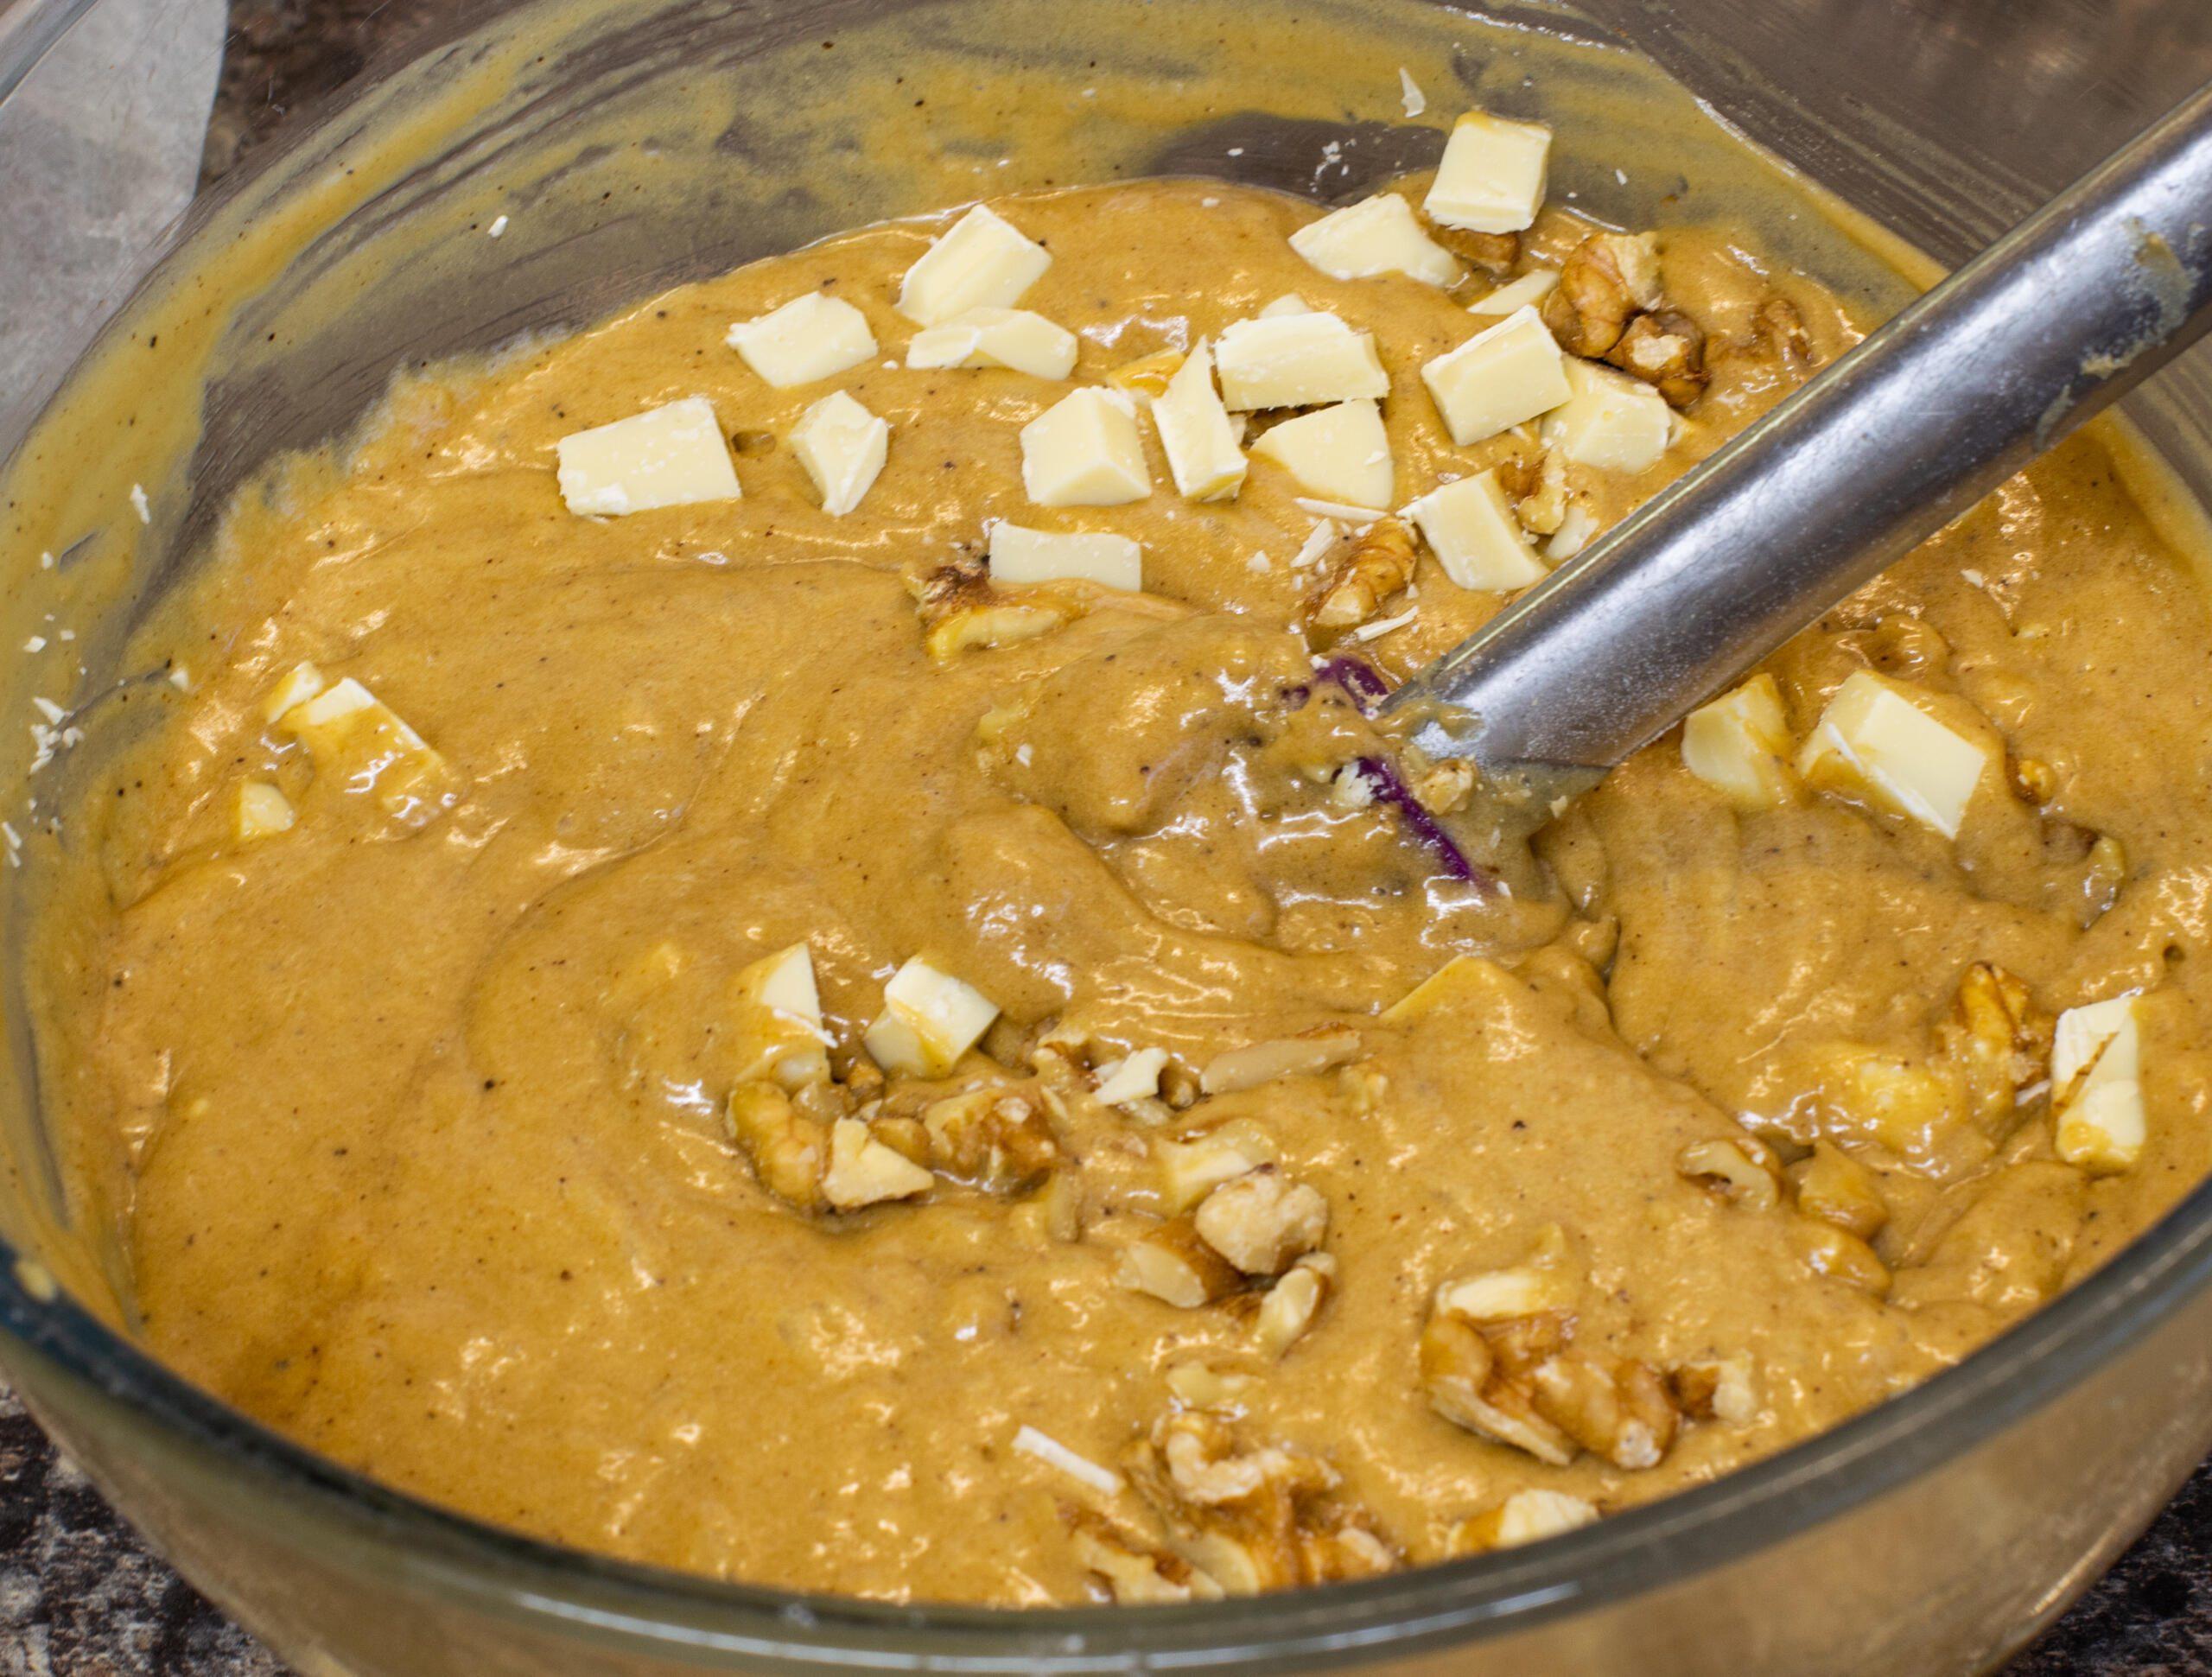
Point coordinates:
[(1492, 178), (1341, 452), (842, 446), (351, 732), (1378, 235), (930, 1018), (1013, 337), (1021, 554), (301, 682), (668, 456), (1289, 303), (1611, 421), (1576, 527), (1874, 739), (981, 261), (262, 811), (1469, 525), (1195, 431), (1189, 1170), (1296, 361), (1135, 1077), (775, 1020), (864, 1171), (1084, 451), (1739, 745), (1532, 288), (1502, 375), (809, 338), (2096, 1085), (1527, 1516)]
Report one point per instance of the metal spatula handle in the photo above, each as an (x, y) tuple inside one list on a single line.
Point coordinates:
[(2069, 311)]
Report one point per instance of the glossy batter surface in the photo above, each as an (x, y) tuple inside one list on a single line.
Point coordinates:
[(419, 1130)]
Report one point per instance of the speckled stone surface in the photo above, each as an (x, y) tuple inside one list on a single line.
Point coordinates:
[(81, 1597)]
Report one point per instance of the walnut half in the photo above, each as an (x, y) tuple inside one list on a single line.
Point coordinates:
[(1608, 280)]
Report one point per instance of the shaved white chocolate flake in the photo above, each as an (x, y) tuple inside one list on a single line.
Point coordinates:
[(1532, 287), (1289, 303), (1051, 1451), (498, 226), (1409, 91), (981, 261), (673, 456), (138, 504)]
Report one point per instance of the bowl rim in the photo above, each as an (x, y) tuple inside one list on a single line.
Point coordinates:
[(672, 1613)]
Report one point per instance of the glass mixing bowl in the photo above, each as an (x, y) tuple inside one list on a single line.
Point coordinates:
[(1937, 1532)]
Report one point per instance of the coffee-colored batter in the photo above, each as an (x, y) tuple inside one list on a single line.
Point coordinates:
[(430, 1122)]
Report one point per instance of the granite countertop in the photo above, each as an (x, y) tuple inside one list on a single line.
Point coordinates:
[(81, 1596)]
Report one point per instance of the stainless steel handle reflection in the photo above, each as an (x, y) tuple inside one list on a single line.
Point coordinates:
[(2066, 313)]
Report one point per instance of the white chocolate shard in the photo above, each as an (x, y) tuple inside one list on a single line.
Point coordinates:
[(809, 338), (1014, 338), (1296, 360), (1739, 745), (2097, 1084), (1469, 525), (1018, 554), (1531, 289), (843, 447), (673, 456), (1378, 235), (1504, 375), (1873, 740), (930, 1018), (775, 1020), (1195, 431), (1084, 451), (261, 811), (981, 261), (1340, 453), (1611, 421), (1492, 178)]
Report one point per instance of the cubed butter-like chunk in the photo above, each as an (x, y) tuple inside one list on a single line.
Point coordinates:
[(1341, 453), (2096, 1087), (1195, 431), (1611, 421), (350, 732), (1531, 289), (776, 1021), (1502, 375), (930, 1018), (1469, 525), (1739, 745), (842, 446), (981, 261), (1084, 451), (1021, 554), (809, 338), (1378, 235), (1492, 178), (673, 456), (262, 811), (1296, 361), (1015, 338), (1874, 740)]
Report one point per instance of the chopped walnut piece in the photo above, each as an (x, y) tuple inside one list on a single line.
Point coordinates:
[(1781, 329), (1740, 1168), (1262, 1221), (1376, 566), (1174, 1266), (1721, 1390), (1304, 1056), (1134, 1571), (1443, 789), (1835, 1188), (788, 1148), (1842, 1256), (2034, 781), (1542, 506), (1294, 1303), (1666, 350), (960, 611), (1494, 253), (1526, 1516), (865, 1172), (1613, 1406), (1253, 1517), (1204, 1387), (1464, 1385), (1609, 279), (2103, 875), (995, 1138), (2000, 1041)]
